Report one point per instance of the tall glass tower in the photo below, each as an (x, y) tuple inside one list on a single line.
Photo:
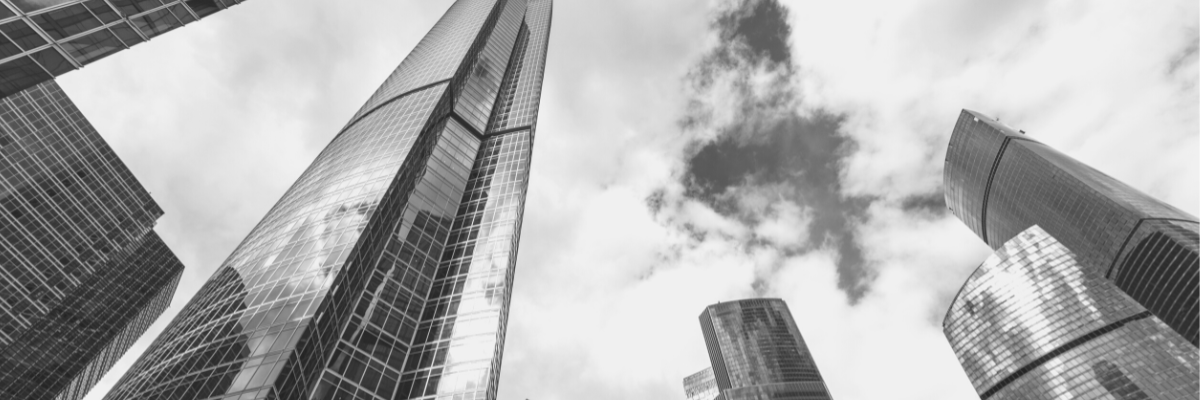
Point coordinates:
[(757, 352), (1033, 322), (42, 39), (82, 275), (385, 271), (1000, 182)]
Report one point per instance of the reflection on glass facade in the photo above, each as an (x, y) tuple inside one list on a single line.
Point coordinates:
[(385, 271), (701, 385), (42, 39), (1000, 182), (1033, 322), (82, 275), (757, 352)]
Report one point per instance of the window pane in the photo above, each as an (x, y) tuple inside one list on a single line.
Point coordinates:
[(65, 22), (22, 34), (203, 8), (93, 47), (131, 7), (53, 61), (19, 74), (8, 48), (155, 23), (182, 13), (34, 5), (102, 10), (126, 33)]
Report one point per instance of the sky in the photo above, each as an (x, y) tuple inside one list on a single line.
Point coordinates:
[(688, 152)]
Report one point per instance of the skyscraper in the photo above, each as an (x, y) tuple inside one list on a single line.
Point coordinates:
[(1033, 322), (1000, 182), (385, 271), (42, 39), (701, 385), (81, 273), (757, 352)]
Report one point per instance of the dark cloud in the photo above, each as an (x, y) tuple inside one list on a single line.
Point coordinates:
[(1185, 56), (769, 147), (929, 203), (761, 25)]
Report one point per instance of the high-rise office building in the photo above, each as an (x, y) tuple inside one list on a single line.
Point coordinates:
[(1000, 182), (701, 385), (757, 352), (385, 271), (1033, 322), (42, 39), (81, 273)]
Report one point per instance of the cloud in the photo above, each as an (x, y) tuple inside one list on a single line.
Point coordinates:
[(685, 155)]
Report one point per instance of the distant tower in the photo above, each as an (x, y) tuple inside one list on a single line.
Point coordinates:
[(1000, 182), (1035, 323), (385, 272), (701, 385), (42, 39), (82, 273), (757, 352)]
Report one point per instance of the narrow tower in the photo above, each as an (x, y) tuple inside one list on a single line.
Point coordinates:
[(1000, 182), (385, 271), (82, 275), (757, 352)]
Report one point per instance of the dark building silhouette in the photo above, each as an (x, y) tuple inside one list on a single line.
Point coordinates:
[(1000, 182), (42, 39), (757, 352), (1034, 322), (82, 275), (385, 271)]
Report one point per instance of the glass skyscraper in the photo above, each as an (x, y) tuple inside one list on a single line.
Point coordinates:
[(1000, 182), (757, 352), (82, 275), (1034, 322), (701, 385), (42, 39), (385, 271)]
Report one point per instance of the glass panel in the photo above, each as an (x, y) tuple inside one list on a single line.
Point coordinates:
[(182, 13), (102, 10), (203, 8), (8, 48), (131, 7), (5, 12), (34, 5), (53, 61), (67, 22), (126, 33), (19, 74), (22, 34), (155, 23), (93, 47)]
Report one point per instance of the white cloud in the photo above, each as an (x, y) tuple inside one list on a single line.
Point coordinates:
[(218, 118)]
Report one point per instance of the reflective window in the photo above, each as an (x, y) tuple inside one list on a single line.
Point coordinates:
[(67, 21), (93, 46), (21, 34), (155, 23)]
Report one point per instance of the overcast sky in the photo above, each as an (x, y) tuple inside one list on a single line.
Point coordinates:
[(688, 152)]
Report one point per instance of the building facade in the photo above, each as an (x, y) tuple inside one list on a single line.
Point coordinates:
[(701, 385), (42, 39), (757, 352), (999, 182), (1033, 322), (82, 275), (385, 271)]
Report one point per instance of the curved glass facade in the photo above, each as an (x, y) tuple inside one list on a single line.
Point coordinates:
[(757, 352), (1000, 182), (1032, 322), (385, 271)]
